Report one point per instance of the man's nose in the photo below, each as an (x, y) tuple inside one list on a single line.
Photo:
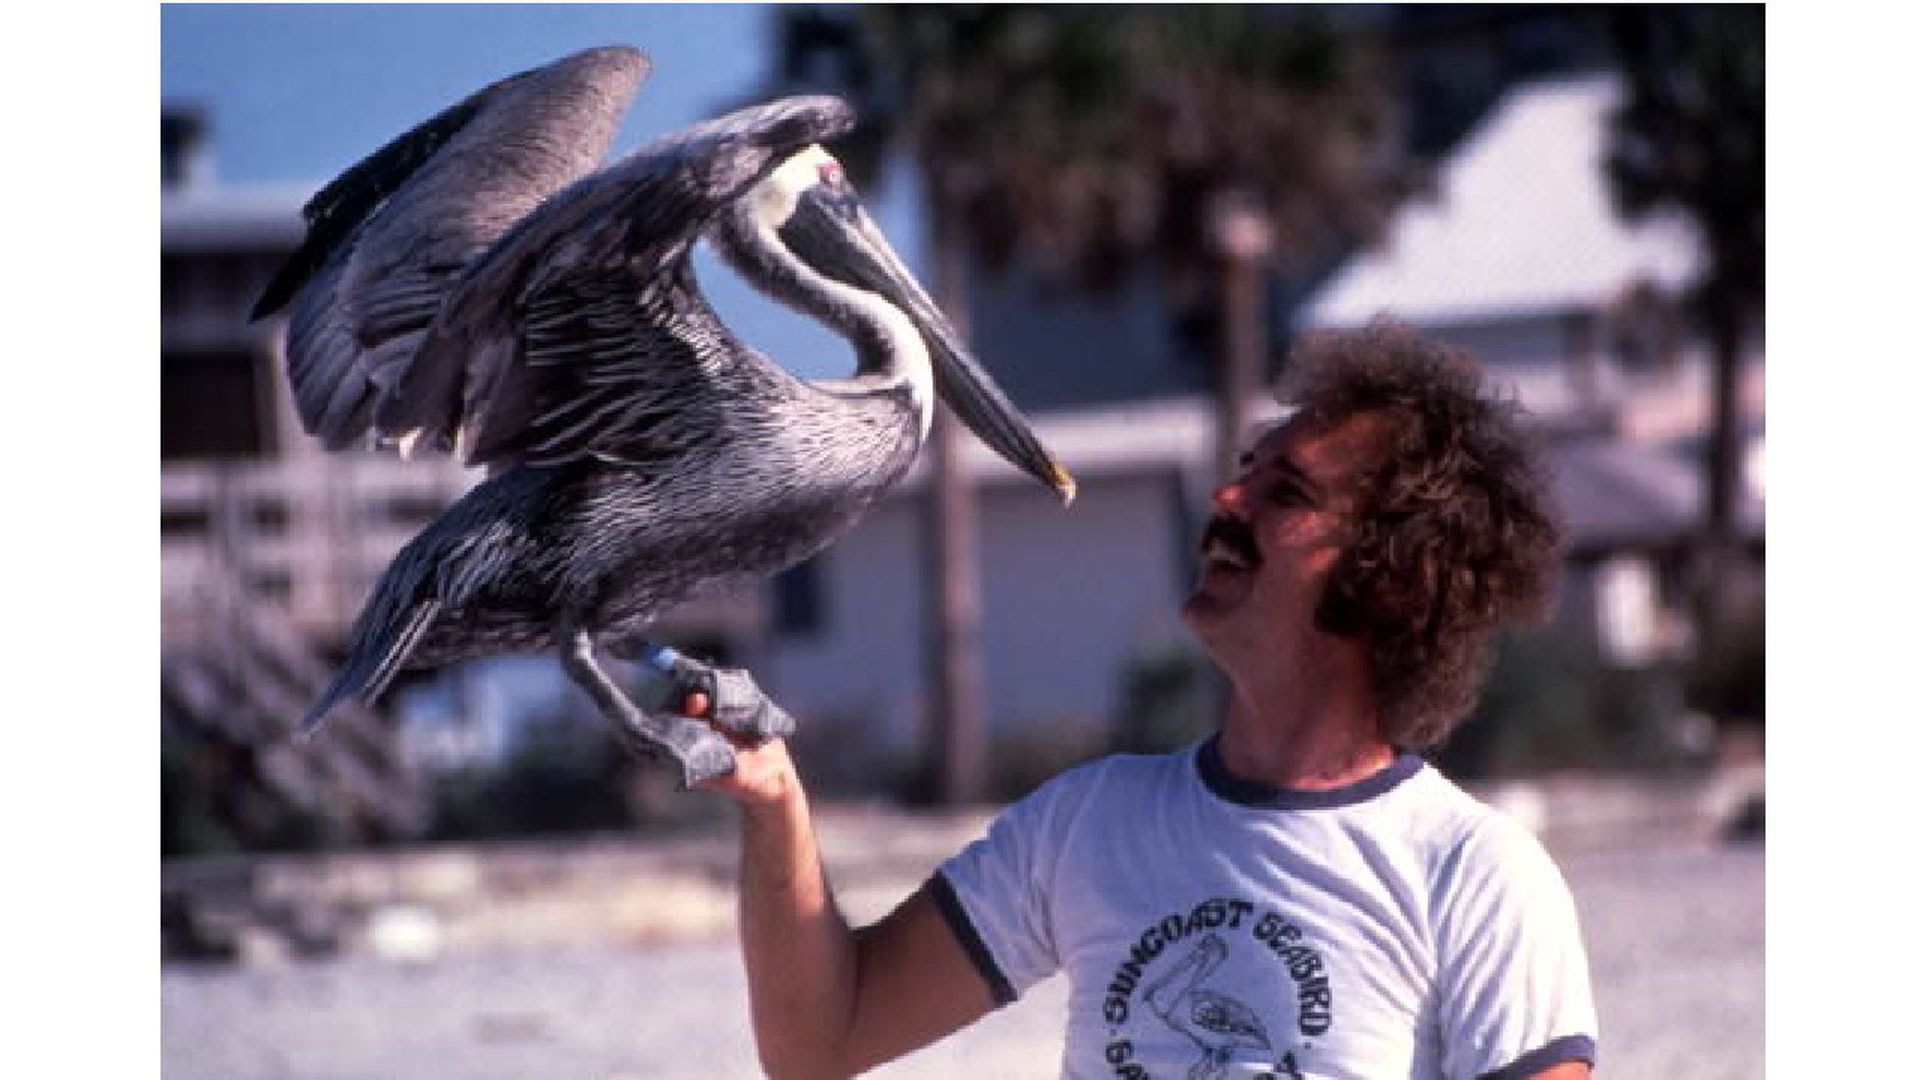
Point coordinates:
[(1231, 498)]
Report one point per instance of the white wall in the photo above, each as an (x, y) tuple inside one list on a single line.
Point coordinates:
[(1068, 596)]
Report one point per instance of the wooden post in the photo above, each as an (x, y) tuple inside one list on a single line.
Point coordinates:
[(959, 726), (1586, 366), (230, 536), (345, 531), (1244, 238), (1719, 543)]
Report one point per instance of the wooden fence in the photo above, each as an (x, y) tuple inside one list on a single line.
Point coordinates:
[(263, 566), (307, 536)]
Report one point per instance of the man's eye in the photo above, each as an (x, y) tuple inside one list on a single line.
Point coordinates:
[(1287, 495)]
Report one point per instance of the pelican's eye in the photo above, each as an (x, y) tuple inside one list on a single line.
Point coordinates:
[(832, 175)]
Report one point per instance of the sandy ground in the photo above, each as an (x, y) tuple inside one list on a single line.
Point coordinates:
[(1675, 931)]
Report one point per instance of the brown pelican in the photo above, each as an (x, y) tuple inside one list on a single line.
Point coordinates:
[(473, 286)]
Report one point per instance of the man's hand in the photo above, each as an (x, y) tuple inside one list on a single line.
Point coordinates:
[(763, 775)]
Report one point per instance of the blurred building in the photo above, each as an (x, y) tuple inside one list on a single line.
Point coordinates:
[(1516, 255), (269, 545), (235, 661), (1519, 257), (1069, 597)]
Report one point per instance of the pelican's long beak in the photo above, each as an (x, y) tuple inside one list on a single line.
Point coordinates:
[(836, 231)]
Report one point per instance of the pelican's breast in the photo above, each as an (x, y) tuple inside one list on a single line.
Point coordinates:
[(822, 465), (797, 471)]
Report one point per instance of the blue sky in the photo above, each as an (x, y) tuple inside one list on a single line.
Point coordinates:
[(297, 93)]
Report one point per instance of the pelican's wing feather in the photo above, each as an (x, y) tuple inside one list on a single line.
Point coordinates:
[(388, 238), (636, 382), (589, 297)]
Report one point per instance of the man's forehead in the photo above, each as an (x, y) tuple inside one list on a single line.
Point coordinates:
[(1323, 446)]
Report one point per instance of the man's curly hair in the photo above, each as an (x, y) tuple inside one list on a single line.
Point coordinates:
[(1451, 533)]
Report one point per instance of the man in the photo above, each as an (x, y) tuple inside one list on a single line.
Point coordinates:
[(1298, 896)]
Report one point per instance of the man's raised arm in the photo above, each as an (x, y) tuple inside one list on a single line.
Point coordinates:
[(828, 1000)]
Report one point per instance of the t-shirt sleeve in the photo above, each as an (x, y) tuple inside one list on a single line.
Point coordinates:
[(996, 893), (1514, 995)]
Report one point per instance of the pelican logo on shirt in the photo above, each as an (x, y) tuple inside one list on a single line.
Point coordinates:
[(1195, 973)]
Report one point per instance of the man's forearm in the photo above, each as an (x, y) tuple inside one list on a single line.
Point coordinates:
[(799, 950), (826, 1000)]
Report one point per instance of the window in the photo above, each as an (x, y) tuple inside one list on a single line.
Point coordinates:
[(799, 599), (211, 405)]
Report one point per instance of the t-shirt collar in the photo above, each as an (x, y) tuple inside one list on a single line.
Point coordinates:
[(1213, 773)]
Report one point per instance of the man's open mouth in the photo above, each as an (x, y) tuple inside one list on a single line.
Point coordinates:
[(1228, 542)]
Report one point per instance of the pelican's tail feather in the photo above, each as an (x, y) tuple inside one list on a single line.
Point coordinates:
[(391, 626)]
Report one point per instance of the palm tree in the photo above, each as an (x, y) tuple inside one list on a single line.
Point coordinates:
[(1691, 136), (1209, 143)]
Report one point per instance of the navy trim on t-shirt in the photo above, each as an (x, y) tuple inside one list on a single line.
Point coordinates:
[(1563, 1049), (1213, 772), (947, 902)]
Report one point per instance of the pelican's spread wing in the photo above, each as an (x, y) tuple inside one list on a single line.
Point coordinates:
[(388, 238), (577, 332), (600, 373)]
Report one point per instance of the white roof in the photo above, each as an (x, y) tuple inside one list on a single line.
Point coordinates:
[(1520, 223)]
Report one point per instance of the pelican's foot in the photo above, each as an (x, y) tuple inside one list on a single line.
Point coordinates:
[(738, 704), (702, 753)]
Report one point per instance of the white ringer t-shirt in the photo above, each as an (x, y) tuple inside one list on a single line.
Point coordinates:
[(1212, 928)]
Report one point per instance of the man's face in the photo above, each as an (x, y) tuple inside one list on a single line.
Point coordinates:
[(1275, 534)]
